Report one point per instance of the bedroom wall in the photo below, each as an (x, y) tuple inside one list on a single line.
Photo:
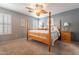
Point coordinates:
[(18, 30), (30, 21), (72, 17)]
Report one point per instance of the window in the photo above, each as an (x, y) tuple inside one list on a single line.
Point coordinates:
[(35, 24), (5, 24)]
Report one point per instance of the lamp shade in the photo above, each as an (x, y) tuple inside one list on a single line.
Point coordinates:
[(66, 24)]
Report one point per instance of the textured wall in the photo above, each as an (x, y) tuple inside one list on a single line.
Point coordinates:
[(30, 21), (72, 17)]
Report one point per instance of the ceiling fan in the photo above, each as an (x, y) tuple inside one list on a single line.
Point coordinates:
[(38, 9)]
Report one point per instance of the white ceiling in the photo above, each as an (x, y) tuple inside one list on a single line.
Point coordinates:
[(55, 8)]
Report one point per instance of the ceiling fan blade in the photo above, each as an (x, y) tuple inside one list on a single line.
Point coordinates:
[(43, 11), (30, 11), (29, 8)]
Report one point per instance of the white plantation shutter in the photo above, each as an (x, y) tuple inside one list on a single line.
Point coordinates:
[(5, 24)]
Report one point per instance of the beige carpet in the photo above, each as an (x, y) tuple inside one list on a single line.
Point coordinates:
[(24, 47)]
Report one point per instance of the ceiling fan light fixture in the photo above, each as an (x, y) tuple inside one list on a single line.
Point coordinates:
[(37, 9), (37, 12)]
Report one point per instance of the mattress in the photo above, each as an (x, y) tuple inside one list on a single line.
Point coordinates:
[(39, 31)]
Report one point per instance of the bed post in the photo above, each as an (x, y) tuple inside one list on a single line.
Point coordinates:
[(27, 29), (49, 28), (60, 29)]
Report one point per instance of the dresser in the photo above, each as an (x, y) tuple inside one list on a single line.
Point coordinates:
[(66, 36)]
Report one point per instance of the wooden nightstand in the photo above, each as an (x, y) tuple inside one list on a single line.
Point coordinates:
[(66, 36)]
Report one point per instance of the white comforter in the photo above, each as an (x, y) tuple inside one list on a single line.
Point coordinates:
[(54, 34)]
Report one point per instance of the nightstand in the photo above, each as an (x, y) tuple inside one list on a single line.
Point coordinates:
[(66, 36)]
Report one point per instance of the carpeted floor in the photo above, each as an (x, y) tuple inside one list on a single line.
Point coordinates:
[(24, 47)]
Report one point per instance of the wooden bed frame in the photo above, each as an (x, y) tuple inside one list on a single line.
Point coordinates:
[(48, 35)]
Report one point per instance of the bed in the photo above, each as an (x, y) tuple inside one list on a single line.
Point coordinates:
[(42, 35), (47, 36)]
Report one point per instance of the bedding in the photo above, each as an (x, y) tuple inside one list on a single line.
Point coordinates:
[(54, 34)]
